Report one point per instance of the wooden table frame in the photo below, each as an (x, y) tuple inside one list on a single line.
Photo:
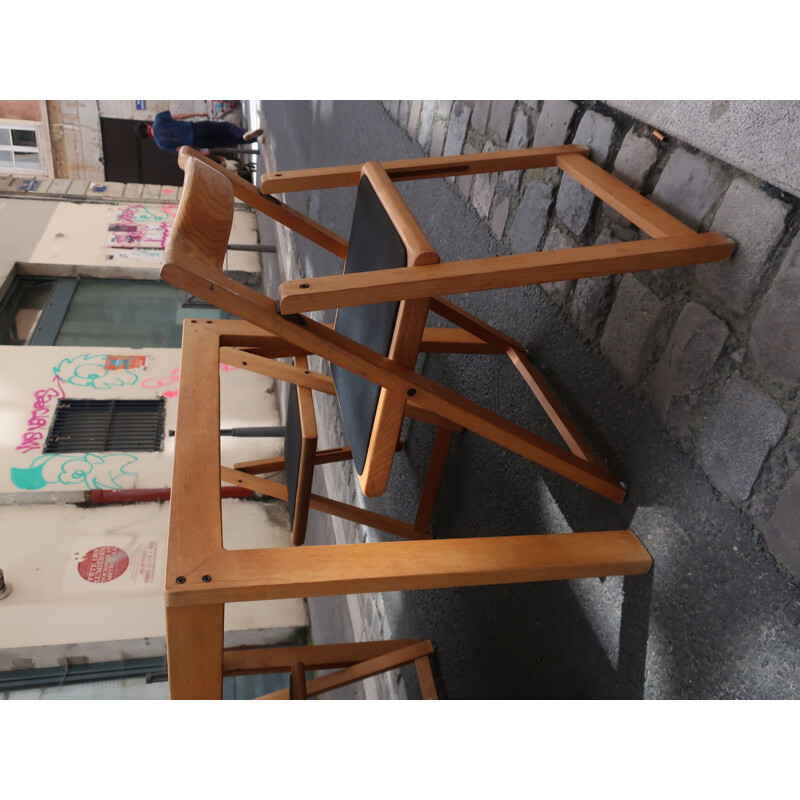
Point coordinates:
[(201, 575)]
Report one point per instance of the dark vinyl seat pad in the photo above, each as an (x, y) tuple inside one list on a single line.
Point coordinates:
[(292, 447), (374, 244)]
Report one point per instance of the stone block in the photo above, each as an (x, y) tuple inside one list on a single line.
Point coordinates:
[(783, 531), (634, 160), (775, 335), (559, 291), (517, 140), (106, 190), (133, 191), (443, 107), (530, 221), (499, 217), (500, 117), (689, 186), (427, 116), (77, 189), (464, 182), (683, 369), (437, 138), (402, 112), (456, 129), (480, 115), (756, 221), (553, 124), (483, 187), (574, 204), (595, 131), (413, 118), (629, 335), (732, 446), (394, 108), (591, 298)]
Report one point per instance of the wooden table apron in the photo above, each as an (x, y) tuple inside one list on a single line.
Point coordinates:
[(202, 576)]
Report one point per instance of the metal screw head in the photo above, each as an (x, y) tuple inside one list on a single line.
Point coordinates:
[(304, 285), (411, 392), (180, 579), (206, 579)]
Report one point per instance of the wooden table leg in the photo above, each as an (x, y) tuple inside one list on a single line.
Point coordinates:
[(194, 651)]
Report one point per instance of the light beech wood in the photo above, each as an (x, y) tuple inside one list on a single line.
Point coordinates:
[(417, 168), (326, 505), (358, 672), (643, 213), (501, 272), (263, 660), (194, 651), (324, 570)]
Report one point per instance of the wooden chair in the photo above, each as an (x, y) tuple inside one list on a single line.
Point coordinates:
[(382, 310), (354, 661)]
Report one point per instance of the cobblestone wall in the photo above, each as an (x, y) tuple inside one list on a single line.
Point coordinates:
[(714, 348)]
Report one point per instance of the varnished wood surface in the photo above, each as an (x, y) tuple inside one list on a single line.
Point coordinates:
[(262, 660), (417, 168), (501, 272), (283, 572)]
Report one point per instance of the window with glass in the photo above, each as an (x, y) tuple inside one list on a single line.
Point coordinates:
[(20, 149), (97, 312)]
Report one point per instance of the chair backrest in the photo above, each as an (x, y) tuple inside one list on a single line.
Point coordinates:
[(384, 234), (205, 215)]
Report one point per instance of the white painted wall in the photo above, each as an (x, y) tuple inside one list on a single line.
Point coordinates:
[(59, 609), (53, 611)]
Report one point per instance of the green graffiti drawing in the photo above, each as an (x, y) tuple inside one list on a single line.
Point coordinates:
[(91, 370), (89, 470)]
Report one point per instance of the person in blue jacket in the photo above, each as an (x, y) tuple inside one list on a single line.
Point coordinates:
[(172, 132)]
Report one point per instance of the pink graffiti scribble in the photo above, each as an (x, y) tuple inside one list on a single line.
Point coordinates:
[(32, 438), (174, 377)]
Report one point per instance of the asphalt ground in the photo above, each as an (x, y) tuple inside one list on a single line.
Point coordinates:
[(715, 618)]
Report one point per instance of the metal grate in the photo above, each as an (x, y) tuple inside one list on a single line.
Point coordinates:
[(93, 426)]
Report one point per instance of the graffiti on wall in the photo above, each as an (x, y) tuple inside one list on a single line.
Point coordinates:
[(34, 433), (84, 471), (140, 231), (100, 371)]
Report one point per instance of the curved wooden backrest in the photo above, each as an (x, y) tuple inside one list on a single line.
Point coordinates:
[(203, 223)]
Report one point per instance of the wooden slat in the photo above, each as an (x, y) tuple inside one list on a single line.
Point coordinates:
[(645, 214), (301, 377), (262, 660), (316, 502), (427, 685), (558, 416), (483, 274), (417, 168), (358, 672), (433, 477), (278, 464), (249, 304), (308, 449), (241, 575)]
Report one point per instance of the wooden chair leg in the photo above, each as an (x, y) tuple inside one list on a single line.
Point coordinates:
[(427, 685), (194, 651), (297, 682), (441, 446)]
